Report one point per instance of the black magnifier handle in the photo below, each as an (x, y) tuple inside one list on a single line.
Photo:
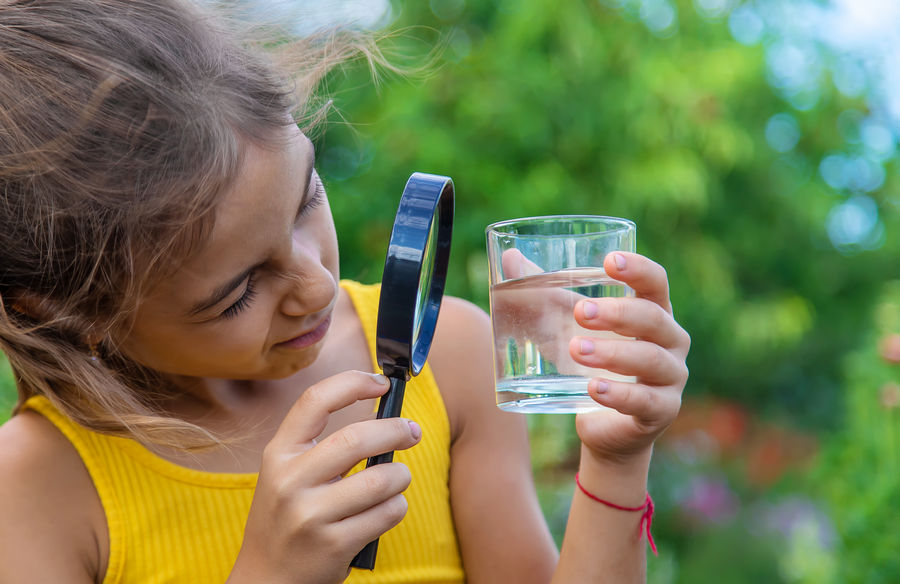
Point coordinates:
[(389, 407)]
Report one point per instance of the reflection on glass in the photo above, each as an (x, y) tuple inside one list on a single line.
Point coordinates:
[(425, 275)]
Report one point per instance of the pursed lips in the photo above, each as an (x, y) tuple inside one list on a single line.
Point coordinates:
[(311, 336)]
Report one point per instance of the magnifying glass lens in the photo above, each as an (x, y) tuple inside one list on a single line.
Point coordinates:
[(424, 291)]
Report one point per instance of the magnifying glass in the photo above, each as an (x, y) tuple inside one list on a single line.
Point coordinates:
[(412, 287)]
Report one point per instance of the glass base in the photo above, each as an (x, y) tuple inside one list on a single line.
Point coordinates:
[(546, 395)]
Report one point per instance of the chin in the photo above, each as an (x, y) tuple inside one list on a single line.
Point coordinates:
[(284, 370)]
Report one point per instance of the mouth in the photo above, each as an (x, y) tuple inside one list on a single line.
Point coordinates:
[(310, 337)]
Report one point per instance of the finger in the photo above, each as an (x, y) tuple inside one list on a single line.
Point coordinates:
[(367, 488), (652, 406), (633, 317), (309, 415), (649, 362), (647, 278), (343, 449), (516, 265), (363, 527)]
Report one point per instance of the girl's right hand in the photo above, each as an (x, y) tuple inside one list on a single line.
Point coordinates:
[(306, 523)]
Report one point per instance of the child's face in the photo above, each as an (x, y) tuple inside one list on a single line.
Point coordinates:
[(256, 301)]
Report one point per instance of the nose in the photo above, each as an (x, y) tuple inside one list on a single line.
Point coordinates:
[(309, 285)]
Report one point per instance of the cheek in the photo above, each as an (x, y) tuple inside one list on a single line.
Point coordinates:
[(201, 350)]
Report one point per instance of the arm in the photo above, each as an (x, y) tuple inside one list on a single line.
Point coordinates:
[(53, 527), (617, 442), (502, 533)]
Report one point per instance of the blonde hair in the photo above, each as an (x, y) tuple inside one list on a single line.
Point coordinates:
[(121, 122)]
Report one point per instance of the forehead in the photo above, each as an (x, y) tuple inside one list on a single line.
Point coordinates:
[(249, 217), (268, 179)]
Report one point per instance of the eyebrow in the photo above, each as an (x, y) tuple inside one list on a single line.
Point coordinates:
[(222, 291)]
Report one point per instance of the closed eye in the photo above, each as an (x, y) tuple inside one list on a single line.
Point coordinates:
[(313, 200), (244, 301)]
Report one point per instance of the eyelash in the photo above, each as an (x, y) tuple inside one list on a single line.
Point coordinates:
[(242, 302), (250, 293), (314, 201)]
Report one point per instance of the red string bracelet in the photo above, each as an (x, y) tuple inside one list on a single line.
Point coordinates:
[(646, 518)]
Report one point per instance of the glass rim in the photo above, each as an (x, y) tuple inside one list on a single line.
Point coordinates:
[(623, 225)]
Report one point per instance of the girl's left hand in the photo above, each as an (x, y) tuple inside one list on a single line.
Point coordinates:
[(655, 354)]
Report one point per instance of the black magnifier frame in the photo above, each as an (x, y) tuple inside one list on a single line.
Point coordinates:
[(412, 287)]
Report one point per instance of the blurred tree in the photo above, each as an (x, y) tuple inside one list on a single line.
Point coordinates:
[(857, 474), (541, 107)]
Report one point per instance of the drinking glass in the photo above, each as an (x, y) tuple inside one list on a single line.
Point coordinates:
[(540, 267)]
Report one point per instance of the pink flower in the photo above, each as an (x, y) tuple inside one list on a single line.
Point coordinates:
[(710, 500), (890, 348)]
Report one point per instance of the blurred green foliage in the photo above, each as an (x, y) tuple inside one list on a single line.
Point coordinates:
[(857, 475), (539, 107), (7, 389)]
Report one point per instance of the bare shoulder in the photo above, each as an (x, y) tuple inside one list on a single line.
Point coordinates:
[(46, 496), (462, 360), (461, 357), (461, 320)]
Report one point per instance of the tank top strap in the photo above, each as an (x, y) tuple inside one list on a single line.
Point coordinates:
[(95, 451), (365, 300)]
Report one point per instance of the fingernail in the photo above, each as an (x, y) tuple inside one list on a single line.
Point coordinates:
[(415, 430), (380, 379), (620, 261), (590, 309), (598, 386), (587, 347)]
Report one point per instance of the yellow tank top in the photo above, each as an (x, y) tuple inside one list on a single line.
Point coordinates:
[(171, 524)]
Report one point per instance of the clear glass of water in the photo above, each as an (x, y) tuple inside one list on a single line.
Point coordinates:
[(540, 267)]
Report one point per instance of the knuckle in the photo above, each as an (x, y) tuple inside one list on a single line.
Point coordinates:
[(618, 313), (645, 399), (659, 358), (601, 354), (284, 493), (303, 518), (348, 439), (628, 393), (314, 396), (331, 539), (685, 339), (610, 352), (663, 273), (375, 482), (660, 318), (683, 371), (270, 456)]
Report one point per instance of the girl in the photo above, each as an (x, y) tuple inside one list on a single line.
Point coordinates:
[(196, 382)]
